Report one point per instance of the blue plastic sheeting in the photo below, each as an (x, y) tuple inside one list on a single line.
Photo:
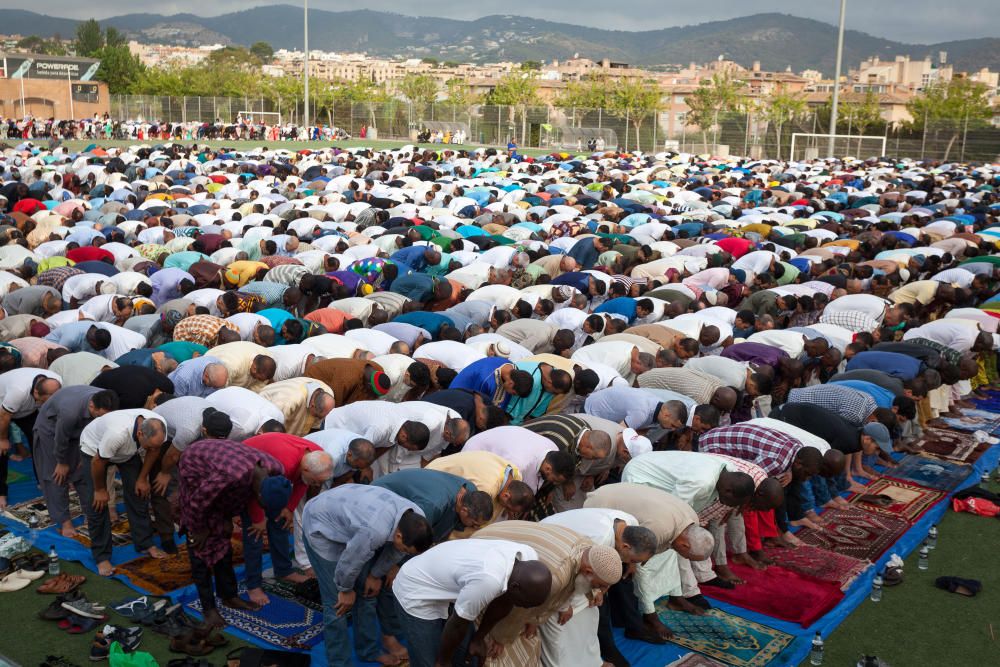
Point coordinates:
[(638, 653), (641, 654)]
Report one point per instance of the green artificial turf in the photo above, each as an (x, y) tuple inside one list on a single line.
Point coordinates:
[(27, 640), (918, 625)]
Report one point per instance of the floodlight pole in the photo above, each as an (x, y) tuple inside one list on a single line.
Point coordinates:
[(836, 79), (69, 82), (305, 66)]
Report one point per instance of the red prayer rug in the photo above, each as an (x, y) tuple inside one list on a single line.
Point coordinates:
[(818, 563), (907, 499), (779, 593), (855, 533)]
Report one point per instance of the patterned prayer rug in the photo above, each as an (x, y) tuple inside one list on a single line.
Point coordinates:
[(731, 639), (952, 446), (855, 533), (909, 500), (160, 576), (779, 593), (21, 511), (281, 623), (818, 563), (696, 660), (121, 535), (933, 473)]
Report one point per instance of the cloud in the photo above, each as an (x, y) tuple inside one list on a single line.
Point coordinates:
[(914, 21)]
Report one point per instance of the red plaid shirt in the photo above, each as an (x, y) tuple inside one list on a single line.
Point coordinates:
[(770, 449)]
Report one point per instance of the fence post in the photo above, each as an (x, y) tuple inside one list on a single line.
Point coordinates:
[(923, 139), (965, 136), (626, 130)]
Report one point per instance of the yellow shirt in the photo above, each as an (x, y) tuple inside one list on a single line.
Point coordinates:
[(243, 271), (921, 292), (237, 358), (486, 470)]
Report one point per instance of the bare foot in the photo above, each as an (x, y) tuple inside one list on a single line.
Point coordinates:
[(805, 523), (213, 619), (656, 626), (840, 501), (156, 552), (854, 487), (3, 502), (309, 573), (112, 516), (683, 605), (295, 578), (68, 529), (104, 568), (387, 659), (761, 558), (749, 561), (258, 597), (790, 540), (239, 603), (726, 574), (393, 646)]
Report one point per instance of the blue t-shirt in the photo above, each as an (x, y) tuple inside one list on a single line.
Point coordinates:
[(897, 365), (883, 397), (623, 305)]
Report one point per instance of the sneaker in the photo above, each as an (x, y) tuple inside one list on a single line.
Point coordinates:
[(100, 647), (129, 638), (55, 611), (84, 607)]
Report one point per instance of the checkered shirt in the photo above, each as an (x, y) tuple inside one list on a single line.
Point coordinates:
[(717, 511), (852, 320), (57, 277), (853, 405), (770, 449)]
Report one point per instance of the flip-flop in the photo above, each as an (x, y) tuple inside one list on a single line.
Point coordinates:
[(134, 609), (966, 587)]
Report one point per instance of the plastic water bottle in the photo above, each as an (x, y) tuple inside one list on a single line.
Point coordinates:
[(932, 537), (924, 562), (876, 595), (32, 527), (816, 654), (53, 561)]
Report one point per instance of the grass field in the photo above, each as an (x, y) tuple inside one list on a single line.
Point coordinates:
[(918, 625)]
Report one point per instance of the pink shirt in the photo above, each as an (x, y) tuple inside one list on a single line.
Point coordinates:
[(519, 446)]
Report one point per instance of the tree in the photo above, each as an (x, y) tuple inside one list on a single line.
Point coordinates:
[(581, 96), (433, 62), (713, 96), (531, 65), (114, 38), (419, 90), (956, 104), (89, 39), (262, 51), (457, 93), (861, 114), (516, 90), (781, 108), (232, 57), (119, 68), (634, 101)]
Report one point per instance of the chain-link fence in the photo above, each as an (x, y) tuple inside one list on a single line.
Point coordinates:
[(578, 129)]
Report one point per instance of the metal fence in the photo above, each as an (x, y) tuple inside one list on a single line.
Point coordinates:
[(571, 129)]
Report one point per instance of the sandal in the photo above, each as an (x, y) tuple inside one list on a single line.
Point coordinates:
[(967, 587), (135, 609), (62, 583), (210, 636), (187, 644)]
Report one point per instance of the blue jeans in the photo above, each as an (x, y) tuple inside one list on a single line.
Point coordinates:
[(423, 638), (335, 636), (280, 541)]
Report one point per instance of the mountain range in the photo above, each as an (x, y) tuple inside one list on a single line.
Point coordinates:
[(776, 40)]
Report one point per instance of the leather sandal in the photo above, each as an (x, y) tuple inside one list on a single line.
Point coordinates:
[(190, 646), (63, 583)]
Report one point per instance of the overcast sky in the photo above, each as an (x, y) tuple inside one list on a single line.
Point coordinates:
[(915, 21)]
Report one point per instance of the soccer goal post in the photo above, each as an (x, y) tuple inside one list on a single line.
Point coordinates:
[(809, 146), (255, 117)]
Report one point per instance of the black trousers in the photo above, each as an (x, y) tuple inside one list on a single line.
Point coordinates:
[(224, 577)]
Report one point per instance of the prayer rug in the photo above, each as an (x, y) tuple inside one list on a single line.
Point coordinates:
[(121, 535), (780, 593), (818, 563), (21, 511), (291, 591), (952, 446), (696, 660), (934, 473), (160, 576), (909, 500), (855, 533), (731, 639), (281, 623)]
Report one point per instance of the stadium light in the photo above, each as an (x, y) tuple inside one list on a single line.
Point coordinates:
[(836, 79), (305, 65)]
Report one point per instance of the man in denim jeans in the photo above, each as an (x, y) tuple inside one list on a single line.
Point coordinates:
[(354, 534)]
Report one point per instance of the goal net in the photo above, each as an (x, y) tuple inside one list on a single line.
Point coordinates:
[(808, 146), (258, 117)]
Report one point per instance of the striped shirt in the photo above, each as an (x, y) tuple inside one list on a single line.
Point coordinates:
[(699, 386), (565, 431)]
